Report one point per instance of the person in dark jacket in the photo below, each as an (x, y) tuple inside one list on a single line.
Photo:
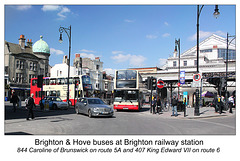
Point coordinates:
[(158, 105), (30, 104), (14, 101), (174, 106), (154, 104)]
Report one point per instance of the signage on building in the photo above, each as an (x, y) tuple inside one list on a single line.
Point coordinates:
[(182, 77), (160, 83)]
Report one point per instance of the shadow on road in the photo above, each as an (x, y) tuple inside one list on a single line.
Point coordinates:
[(21, 113)]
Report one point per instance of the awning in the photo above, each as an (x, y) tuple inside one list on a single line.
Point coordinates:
[(207, 94)]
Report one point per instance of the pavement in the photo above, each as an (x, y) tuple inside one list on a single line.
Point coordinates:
[(204, 112)]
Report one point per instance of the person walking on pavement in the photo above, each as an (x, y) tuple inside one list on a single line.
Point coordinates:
[(231, 103), (14, 101), (174, 106), (29, 106), (154, 104), (222, 102), (217, 101), (159, 109)]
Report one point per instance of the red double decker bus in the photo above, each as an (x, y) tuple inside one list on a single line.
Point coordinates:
[(127, 94), (78, 87)]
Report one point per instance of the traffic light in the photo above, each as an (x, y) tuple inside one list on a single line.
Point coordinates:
[(76, 84), (149, 83), (154, 83)]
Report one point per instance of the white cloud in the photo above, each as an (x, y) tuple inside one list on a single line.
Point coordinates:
[(205, 34), (23, 7), (117, 52), (50, 8), (137, 60), (62, 10), (129, 21), (62, 13), (55, 51), (166, 23), (162, 62), (87, 51), (132, 60), (86, 55), (166, 35), (110, 71), (151, 36)]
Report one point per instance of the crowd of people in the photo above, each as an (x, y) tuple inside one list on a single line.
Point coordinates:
[(219, 103)]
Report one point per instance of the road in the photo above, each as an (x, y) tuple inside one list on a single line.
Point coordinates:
[(67, 122)]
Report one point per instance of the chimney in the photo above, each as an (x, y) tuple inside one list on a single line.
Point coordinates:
[(29, 43), (22, 41), (175, 53), (65, 59)]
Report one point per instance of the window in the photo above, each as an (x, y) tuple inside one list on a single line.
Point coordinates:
[(174, 63), (206, 51), (231, 54), (195, 62), (97, 67), (19, 78), (185, 63), (20, 64), (106, 85), (30, 77), (33, 66)]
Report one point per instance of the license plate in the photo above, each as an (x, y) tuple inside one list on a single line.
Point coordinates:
[(104, 112), (125, 108)]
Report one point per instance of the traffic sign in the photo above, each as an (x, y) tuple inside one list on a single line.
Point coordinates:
[(178, 84), (160, 84), (197, 77), (197, 80)]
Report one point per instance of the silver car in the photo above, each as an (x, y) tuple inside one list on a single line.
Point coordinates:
[(93, 107)]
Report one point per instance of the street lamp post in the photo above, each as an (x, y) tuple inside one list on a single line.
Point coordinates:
[(228, 43), (215, 14), (177, 43), (68, 32)]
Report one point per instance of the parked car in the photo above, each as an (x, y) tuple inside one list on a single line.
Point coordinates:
[(53, 103), (93, 107)]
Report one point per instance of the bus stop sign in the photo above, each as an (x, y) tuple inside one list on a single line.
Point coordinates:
[(160, 84)]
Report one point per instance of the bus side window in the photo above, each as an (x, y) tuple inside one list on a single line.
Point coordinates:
[(47, 81), (58, 93), (34, 82)]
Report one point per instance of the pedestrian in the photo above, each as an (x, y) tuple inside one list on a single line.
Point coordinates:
[(159, 105), (19, 102), (14, 100), (29, 106), (174, 106), (217, 101), (154, 104), (222, 102), (231, 103)]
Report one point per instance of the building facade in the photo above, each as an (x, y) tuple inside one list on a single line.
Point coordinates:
[(212, 64), (101, 84), (22, 62)]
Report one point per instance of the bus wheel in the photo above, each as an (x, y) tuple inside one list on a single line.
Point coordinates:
[(89, 113)]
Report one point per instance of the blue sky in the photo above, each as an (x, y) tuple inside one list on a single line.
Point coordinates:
[(123, 36)]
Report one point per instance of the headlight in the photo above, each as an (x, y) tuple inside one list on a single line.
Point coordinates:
[(95, 109)]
